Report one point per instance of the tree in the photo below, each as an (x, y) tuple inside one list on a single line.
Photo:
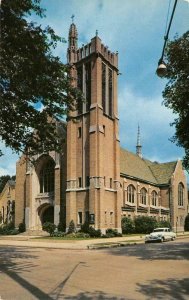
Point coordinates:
[(49, 227), (144, 224), (127, 225), (176, 92), (71, 228), (4, 179), (31, 77)]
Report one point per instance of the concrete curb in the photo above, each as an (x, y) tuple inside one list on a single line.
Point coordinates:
[(122, 244), (76, 245)]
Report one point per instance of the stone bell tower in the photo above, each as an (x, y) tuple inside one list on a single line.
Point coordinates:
[(93, 151)]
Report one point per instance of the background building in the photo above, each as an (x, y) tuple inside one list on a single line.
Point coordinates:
[(7, 203)]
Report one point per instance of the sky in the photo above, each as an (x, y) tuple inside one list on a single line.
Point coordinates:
[(136, 29)]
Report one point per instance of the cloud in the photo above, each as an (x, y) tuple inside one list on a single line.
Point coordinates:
[(7, 161), (154, 120)]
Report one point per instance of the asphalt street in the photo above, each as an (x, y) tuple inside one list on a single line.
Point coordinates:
[(144, 271)]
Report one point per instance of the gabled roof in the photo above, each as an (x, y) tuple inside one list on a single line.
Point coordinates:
[(142, 169), (163, 171)]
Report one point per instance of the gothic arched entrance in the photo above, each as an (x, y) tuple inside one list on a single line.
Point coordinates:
[(46, 214)]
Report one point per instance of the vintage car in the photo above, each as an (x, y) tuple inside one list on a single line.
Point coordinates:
[(160, 235)]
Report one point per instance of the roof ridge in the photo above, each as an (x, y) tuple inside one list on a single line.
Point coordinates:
[(151, 171)]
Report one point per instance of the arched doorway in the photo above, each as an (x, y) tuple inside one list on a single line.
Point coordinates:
[(46, 214)]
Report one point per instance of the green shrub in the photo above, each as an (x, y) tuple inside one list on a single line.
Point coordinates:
[(49, 227), (8, 229), (94, 232), (112, 233), (144, 224), (186, 223), (78, 235), (85, 227), (127, 225), (163, 224), (58, 234), (71, 228), (13, 232), (22, 227), (10, 226), (61, 227)]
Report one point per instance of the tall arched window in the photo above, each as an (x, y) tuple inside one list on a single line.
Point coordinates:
[(46, 177), (154, 198), (143, 196), (131, 193), (180, 194)]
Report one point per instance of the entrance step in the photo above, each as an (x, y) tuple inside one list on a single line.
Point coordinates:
[(33, 232)]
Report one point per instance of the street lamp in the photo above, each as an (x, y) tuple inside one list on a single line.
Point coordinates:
[(162, 68)]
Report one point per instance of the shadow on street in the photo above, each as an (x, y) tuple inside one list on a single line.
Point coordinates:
[(172, 288), (155, 251), (12, 268)]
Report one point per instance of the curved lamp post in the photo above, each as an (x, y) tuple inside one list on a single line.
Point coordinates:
[(162, 68)]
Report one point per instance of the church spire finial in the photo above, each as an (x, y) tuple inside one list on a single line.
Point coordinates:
[(72, 44), (72, 17), (139, 146)]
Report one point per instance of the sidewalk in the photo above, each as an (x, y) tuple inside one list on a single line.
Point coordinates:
[(31, 241)]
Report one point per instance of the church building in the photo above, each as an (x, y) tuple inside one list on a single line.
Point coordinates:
[(93, 179)]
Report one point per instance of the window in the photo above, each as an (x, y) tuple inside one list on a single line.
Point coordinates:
[(88, 85), (111, 183), (131, 194), (110, 91), (180, 194), (104, 129), (80, 87), (105, 217), (89, 48), (87, 181), (79, 217), (104, 87), (79, 132), (46, 177), (86, 51), (111, 217), (154, 198), (80, 182), (143, 194)]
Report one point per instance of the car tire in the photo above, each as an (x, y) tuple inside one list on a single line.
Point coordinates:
[(162, 239)]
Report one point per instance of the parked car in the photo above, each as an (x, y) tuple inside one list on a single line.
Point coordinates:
[(160, 235)]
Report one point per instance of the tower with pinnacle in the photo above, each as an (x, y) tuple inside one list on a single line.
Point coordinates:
[(139, 146), (93, 161)]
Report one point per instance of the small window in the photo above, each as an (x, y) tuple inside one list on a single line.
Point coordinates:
[(111, 217), (80, 182), (105, 217), (79, 132), (104, 129), (180, 194), (79, 217), (87, 181), (111, 183)]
